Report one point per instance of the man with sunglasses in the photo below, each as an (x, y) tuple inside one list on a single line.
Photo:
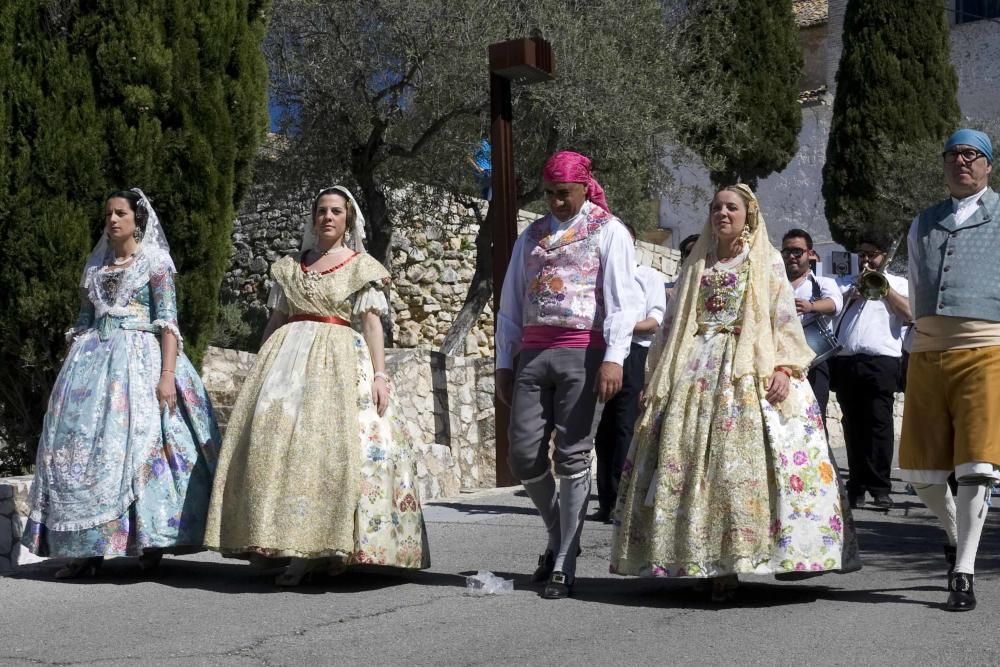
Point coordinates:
[(951, 422), (815, 297), (866, 373)]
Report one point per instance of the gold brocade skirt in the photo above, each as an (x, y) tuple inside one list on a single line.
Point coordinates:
[(307, 467)]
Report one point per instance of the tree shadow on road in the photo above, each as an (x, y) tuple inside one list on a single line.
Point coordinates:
[(238, 577), (751, 594)]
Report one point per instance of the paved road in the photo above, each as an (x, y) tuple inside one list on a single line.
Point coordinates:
[(203, 610)]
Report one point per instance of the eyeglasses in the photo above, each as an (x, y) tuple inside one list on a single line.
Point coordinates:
[(793, 252), (873, 254), (968, 155)]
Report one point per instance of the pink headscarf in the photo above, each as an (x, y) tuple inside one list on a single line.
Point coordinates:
[(570, 167)]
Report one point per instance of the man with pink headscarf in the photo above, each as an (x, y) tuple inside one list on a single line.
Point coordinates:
[(567, 310)]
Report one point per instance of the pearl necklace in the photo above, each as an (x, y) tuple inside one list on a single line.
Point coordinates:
[(123, 261)]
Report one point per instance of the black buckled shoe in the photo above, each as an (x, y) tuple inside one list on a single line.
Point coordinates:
[(961, 596), (560, 586), (950, 555), (856, 500), (546, 563)]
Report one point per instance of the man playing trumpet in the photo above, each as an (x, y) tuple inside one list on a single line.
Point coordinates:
[(871, 330)]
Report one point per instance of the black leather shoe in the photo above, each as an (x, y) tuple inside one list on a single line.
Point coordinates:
[(856, 500), (882, 501), (604, 516), (546, 563), (560, 586), (950, 555), (961, 597)]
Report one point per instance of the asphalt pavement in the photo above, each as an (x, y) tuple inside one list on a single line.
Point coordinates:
[(206, 610)]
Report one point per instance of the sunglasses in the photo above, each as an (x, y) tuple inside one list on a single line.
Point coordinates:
[(793, 252)]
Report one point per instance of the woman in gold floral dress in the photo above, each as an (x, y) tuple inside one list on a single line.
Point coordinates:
[(313, 465), (729, 471)]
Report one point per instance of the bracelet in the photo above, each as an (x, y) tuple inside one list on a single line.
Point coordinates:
[(782, 369), (382, 375), (167, 370)]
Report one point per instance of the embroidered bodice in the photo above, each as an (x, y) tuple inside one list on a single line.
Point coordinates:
[(720, 298), (344, 291), (140, 297)]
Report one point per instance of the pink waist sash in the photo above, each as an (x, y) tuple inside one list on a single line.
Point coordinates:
[(543, 337)]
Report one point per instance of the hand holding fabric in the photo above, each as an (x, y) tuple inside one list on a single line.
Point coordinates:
[(777, 388), (166, 393), (380, 395)]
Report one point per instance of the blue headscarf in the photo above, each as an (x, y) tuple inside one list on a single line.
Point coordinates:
[(974, 138)]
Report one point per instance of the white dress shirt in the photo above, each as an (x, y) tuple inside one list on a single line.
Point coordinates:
[(871, 327), (621, 298), (828, 289), (651, 284)]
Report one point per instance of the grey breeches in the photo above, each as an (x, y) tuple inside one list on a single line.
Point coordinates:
[(554, 392)]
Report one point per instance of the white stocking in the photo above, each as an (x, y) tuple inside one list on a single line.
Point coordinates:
[(938, 499), (971, 517)]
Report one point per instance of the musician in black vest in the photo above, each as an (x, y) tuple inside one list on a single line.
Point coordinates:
[(816, 297), (866, 376)]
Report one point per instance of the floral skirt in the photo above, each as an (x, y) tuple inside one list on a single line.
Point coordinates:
[(718, 481), (308, 468), (115, 475)]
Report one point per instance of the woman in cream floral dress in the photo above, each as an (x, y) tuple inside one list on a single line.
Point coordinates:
[(312, 465), (729, 471)]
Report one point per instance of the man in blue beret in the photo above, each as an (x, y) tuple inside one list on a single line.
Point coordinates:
[(951, 422)]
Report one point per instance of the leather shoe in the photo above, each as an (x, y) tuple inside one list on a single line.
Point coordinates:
[(961, 597), (856, 500), (602, 515), (546, 563), (882, 501), (560, 586)]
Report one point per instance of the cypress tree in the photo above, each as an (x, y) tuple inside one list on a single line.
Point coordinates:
[(166, 95), (895, 86), (759, 68)]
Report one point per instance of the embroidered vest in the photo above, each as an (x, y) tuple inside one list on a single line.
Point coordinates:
[(957, 271), (565, 276)]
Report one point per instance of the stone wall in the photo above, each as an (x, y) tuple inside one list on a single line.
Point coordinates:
[(13, 510), (433, 261)]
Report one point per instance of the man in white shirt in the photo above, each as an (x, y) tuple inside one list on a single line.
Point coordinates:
[(567, 311), (866, 374), (614, 434), (816, 297)]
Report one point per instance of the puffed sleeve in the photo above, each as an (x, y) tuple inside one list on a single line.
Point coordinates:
[(370, 299), (276, 299), (163, 294)]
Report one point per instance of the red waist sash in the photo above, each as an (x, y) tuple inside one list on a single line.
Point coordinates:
[(325, 319), (544, 337)]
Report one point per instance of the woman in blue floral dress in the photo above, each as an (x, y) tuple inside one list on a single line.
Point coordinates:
[(729, 472), (129, 442)]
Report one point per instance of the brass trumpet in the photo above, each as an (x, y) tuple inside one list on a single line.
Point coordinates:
[(872, 283)]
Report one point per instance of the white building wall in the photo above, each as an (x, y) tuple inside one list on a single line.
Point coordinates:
[(792, 198)]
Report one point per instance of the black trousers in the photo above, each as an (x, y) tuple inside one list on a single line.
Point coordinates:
[(819, 380), (614, 433), (866, 387)]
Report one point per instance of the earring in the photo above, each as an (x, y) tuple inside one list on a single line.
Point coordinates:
[(745, 235), (137, 235)]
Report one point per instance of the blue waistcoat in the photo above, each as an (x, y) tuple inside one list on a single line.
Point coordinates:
[(958, 266)]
